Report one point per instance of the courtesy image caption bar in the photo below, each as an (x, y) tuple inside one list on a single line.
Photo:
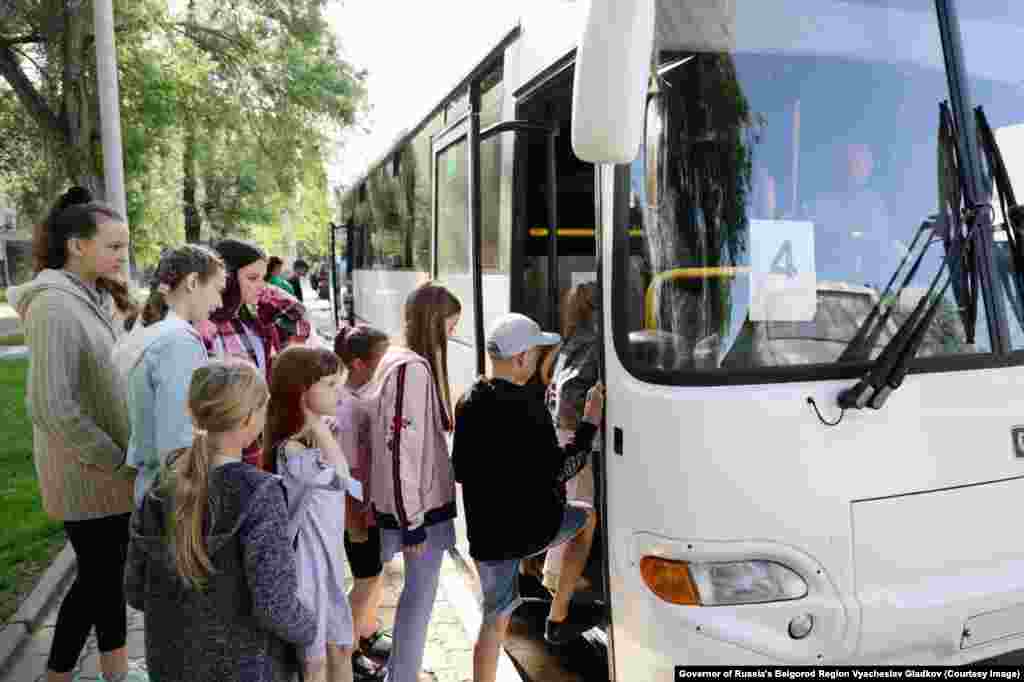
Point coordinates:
[(847, 673)]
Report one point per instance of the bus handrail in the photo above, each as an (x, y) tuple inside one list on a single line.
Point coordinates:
[(576, 232), (650, 321)]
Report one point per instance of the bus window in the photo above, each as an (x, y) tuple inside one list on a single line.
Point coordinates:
[(575, 199), (454, 262)]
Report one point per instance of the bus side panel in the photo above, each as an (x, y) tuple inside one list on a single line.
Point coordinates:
[(742, 473)]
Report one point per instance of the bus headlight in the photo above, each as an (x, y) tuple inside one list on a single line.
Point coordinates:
[(721, 583), (746, 582)]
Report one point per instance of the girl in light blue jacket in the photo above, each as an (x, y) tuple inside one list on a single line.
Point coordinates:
[(157, 359)]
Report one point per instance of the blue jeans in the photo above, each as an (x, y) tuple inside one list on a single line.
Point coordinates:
[(499, 580), (417, 599)]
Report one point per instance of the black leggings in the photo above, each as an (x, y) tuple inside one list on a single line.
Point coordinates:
[(97, 595)]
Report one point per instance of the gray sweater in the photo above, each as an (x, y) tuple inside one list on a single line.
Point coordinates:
[(75, 399), (242, 624)]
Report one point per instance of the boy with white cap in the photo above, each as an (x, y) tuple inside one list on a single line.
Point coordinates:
[(511, 468)]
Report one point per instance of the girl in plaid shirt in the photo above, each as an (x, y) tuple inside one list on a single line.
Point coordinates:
[(256, 322)]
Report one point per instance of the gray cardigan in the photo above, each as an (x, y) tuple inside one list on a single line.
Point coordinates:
[(77, 403), (241, 624)]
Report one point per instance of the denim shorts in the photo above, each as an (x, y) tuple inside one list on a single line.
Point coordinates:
[(499, 580)]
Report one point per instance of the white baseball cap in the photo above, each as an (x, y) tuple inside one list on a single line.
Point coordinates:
[(512, 334)]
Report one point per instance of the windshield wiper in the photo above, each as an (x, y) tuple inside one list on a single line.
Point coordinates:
[(892, 364), (1013, 214), (859, 348)]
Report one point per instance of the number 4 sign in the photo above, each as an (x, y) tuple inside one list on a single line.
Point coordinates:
[(783, 282)]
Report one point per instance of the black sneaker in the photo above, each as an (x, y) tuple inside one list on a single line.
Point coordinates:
[(563, 632)]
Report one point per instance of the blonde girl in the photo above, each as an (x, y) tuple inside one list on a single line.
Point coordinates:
[(210, 562)]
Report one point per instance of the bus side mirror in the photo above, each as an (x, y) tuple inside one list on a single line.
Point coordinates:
[(613, 61)]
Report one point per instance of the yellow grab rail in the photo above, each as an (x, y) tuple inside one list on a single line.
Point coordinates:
[(575, 232), (684, 273)]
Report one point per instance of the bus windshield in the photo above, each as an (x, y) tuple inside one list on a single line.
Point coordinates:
[(790, 168)]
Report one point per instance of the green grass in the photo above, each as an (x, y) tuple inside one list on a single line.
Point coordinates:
[(30, 539)]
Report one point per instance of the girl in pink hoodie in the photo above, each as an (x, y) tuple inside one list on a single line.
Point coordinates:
[(412, 487)]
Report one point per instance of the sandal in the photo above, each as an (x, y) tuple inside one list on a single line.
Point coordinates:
[(378, 644), (365, 669)]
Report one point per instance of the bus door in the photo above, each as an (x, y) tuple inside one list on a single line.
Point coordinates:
[(342, 247), (476, 268), (555, 255), (555, 247)]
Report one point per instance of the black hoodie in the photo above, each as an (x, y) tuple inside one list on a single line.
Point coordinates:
[(507, 458)]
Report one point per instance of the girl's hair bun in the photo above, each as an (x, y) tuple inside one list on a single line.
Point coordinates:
[(76, 195)]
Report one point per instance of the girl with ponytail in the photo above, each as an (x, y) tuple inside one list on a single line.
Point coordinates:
[(156, 361), (361, 348), (210, 562), (50, 251), (80, 420)]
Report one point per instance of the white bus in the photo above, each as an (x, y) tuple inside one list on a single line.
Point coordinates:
[(766, 211)]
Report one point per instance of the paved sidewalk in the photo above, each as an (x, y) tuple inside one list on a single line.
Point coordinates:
[(449, 652)]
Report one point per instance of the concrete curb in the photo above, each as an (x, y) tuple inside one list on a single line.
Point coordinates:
[(31, 612), (12, 637)]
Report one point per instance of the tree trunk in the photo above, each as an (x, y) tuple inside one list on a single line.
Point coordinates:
[(193, 221), (79, 103), (72, 129)]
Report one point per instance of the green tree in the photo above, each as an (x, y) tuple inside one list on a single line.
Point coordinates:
[(225, 110)]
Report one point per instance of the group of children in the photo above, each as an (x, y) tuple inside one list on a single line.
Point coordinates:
[(208, 464), (238, 568)]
